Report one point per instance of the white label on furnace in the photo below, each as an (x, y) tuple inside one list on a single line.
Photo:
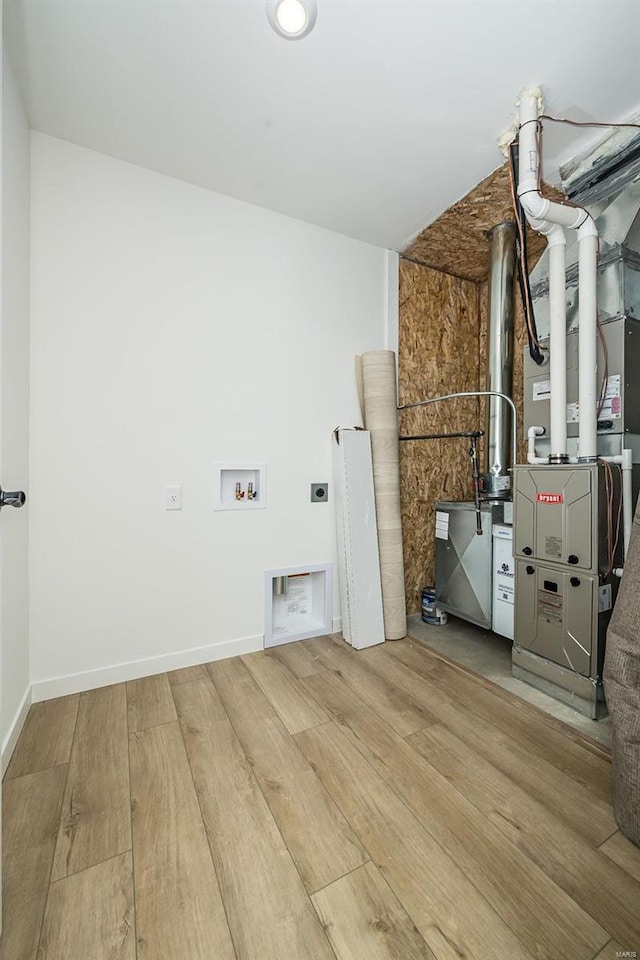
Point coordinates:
[(604, 598), (612, 405), (442, 525), (542, 390), (613, 386), (611, 409), (573, 413)]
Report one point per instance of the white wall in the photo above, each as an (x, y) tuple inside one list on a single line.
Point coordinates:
[(14, 406), (171, 328)]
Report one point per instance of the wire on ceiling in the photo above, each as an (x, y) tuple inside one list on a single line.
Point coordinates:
[(586, 123)]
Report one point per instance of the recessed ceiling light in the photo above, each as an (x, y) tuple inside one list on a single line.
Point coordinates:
[(292, 19)]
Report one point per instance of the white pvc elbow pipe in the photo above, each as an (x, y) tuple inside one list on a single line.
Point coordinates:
[(558, 344), (532, 433), (587, 341), (541, 210), (537, 207)]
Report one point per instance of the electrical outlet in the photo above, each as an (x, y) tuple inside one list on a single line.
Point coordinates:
[(319, 492), (173, 498)]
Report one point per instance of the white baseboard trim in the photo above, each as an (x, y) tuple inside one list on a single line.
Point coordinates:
[(336, 625), (15, 729), (103, 677)]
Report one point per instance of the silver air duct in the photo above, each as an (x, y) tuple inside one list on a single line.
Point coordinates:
[(496, 482)]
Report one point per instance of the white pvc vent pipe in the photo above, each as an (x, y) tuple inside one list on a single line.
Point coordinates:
[(558, 343), (545, 216), (587, 340)]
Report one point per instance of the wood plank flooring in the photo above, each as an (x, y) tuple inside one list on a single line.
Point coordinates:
[(46, 737), (30, 821), (179, 910), (103, 893), (312, 802), (321, 842), (95, 823)]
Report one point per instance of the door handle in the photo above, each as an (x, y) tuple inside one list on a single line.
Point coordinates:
[(12, 498)]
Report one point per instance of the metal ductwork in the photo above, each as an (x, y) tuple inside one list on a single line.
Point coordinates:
[(496, 482)]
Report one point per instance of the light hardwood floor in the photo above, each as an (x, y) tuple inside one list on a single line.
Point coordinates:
[(312, 802)]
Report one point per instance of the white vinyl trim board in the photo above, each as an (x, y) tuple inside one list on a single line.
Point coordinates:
[(119, 673), (15, 729)]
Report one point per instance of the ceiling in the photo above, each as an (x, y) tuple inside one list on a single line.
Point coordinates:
[(371, 126)]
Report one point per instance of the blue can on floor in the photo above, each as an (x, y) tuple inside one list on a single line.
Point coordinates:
[(430, 611)]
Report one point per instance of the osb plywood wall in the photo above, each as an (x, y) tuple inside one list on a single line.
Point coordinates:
[(442, 349), (438, 353), (456, 242)]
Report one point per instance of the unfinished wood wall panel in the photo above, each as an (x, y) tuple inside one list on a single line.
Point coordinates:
[(442, 349), (438, 353), (456, 242)]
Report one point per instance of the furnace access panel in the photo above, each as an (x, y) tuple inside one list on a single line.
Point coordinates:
[(558, 513), (555, 614)]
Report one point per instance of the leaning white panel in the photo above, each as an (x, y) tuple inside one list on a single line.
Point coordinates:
[(358, 558)]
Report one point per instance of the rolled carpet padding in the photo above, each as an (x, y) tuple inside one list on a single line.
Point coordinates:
[(379, 393), (622, 690)]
